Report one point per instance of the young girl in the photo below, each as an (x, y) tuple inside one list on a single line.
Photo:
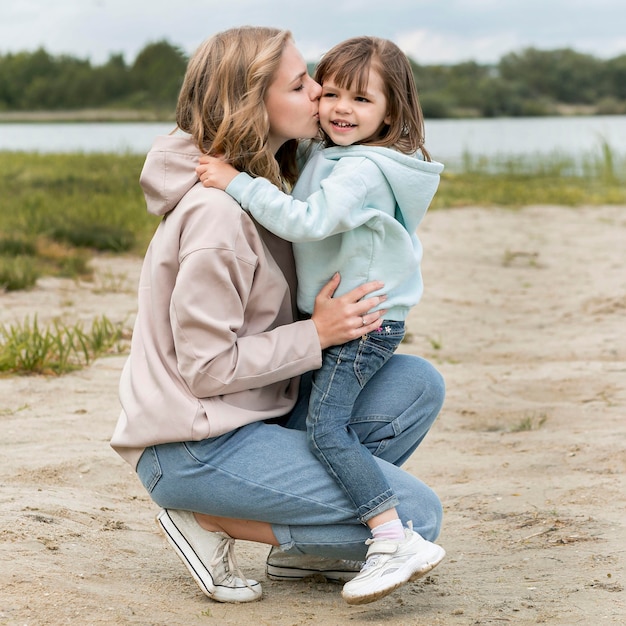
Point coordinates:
[(354, 209)]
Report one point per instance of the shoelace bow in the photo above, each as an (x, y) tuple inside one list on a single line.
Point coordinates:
[(225, 553)]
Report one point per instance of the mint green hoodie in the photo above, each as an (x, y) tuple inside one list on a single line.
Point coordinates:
[(353, 210)]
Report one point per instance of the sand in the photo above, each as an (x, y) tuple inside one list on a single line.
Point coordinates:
[(524, 313)]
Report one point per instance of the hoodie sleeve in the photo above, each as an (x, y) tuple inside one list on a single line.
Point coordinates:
[(230, 332), (336, 208)]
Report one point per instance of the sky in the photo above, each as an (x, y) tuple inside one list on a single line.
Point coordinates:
[(429, 31)]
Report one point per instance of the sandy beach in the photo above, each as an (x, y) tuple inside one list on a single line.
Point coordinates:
[(524, 313)]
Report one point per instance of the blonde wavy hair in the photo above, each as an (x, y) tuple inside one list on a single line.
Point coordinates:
[(348, 65), (222, 100)]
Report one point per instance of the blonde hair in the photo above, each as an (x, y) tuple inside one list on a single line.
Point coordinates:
[(222, 100), (348, 64)]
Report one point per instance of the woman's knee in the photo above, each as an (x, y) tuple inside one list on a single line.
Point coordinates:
[(437, 387), (427, 382), (404, 380), (423, 391)]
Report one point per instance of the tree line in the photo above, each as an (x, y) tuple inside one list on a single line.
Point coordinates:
[(528, 82)]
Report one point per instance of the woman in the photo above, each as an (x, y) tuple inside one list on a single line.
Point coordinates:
[(214, 393)]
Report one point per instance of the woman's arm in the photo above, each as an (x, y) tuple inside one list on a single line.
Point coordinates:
[(342, 319)]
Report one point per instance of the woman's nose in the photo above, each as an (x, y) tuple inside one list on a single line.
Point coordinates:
[(316, 90)]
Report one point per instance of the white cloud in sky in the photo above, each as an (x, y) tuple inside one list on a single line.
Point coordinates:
[(431, 31), (426, 47)]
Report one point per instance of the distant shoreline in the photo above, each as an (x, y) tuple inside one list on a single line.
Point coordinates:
[(132, 115), (85, 115)]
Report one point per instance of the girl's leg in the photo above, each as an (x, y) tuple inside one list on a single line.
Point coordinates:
[(395, 410), (335, 387)]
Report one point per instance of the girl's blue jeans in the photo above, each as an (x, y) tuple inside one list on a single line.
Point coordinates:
[(266, 471), (345, 371)]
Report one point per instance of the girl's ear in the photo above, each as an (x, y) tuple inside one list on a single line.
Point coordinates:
[(387, 119)]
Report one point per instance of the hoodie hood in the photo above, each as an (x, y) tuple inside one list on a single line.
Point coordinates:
[(413, 180), (169, 172)]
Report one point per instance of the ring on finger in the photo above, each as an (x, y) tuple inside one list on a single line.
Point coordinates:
[(363, 320)]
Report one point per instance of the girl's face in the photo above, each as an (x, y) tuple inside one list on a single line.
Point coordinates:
[(292, 101), (349, 117)]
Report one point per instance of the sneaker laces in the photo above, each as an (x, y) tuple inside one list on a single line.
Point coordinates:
[(371, 562), (225, 556)]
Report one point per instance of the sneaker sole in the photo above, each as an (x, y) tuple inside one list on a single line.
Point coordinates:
[(381, 593), (192, 562), (279, 573)]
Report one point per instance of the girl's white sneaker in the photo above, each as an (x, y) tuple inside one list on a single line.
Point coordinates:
[(390, 564)]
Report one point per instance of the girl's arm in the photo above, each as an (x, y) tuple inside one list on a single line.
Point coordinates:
[(337, 207), (213, 172)]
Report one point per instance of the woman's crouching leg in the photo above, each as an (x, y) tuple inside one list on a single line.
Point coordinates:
[(267, 473)]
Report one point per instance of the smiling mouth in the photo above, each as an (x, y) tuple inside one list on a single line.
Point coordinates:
[(343, 124)]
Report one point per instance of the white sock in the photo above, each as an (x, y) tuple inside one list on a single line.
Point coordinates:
[(389, 530)]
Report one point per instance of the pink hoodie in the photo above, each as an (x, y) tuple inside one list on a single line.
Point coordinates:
[(215, 345)]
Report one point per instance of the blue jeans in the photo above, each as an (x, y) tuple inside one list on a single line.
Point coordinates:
[(345, 371), (266, 471)]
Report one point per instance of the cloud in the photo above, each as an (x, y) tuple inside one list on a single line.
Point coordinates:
[(430, 31), (428, 47)]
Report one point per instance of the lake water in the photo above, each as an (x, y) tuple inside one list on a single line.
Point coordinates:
[(447, 140)]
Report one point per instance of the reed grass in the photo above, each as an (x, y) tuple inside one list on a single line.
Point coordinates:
[(594, 179)]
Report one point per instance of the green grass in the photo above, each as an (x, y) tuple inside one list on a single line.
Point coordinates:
[(58, 209), (530, 422), (80, 201), (18, 272), (27, 348)]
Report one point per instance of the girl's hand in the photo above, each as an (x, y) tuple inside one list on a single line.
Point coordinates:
[(345, 318), (213, 172)]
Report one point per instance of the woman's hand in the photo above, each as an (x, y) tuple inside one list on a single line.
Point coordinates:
[(345, 318), (213, 172)]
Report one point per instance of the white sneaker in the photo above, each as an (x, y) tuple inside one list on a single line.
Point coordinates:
[(209, 557), (389, 564), (284, 566)]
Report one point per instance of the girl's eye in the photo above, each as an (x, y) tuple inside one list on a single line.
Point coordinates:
[(361, 99), (300, 87)]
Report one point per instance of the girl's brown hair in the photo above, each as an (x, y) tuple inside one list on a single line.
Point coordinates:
[(348, 64), (222, 100)]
